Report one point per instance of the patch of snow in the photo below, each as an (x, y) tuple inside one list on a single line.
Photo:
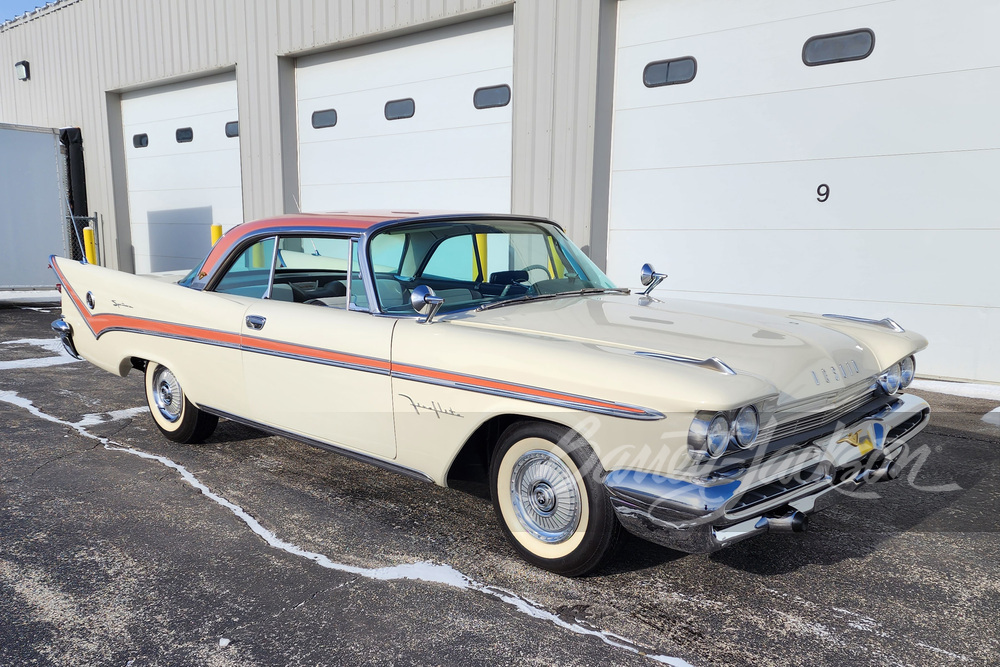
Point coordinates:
[(423, 571), (223, 642), (48, 344), (992, 417), (989, 392), (30, 296), (93, 419)]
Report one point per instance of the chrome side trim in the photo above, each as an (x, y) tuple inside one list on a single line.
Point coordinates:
[(160, 334), (314, 360), (636, 412), (885, 322), (712, 363), (336, 449)]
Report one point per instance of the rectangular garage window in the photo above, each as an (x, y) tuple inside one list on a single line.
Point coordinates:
[(670, 72), (494, 96), (184, 135), (324, 118), (140, 140), (233, 129), (838, 47), (397, 109)]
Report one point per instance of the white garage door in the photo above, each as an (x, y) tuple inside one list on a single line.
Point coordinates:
[(400, 124), (862, 187), (182, 155)]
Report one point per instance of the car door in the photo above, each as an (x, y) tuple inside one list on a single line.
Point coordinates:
[(311, 365)]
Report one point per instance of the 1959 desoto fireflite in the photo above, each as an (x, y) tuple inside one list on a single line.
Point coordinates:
[(490, 348)]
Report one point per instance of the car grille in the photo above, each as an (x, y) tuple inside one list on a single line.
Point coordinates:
[(803, 418), (779, 487)]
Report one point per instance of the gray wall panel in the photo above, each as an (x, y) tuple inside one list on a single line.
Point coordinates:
[(555, 81)]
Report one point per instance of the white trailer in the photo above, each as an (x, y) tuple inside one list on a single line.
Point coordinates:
[(33, 206)]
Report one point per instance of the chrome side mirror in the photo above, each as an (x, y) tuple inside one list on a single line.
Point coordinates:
[(650, 278), (425, 302)]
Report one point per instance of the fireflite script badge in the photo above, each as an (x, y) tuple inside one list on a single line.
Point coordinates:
[(869, 437)]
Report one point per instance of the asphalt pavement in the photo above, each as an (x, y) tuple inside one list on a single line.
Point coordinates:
[(118, 547)]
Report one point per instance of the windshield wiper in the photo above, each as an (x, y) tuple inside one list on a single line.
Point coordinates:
[(556, 295)]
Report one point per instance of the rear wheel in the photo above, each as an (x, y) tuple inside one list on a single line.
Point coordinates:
[(547, 492), (176, 417)]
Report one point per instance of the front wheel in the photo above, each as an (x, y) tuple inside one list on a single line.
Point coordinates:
[(176, 417), (548, 495)]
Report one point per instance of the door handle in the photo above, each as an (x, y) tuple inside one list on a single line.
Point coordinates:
[(256, 322)]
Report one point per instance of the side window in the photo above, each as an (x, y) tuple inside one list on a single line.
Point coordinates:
[(453, 259), (313, 270), (249, 274)]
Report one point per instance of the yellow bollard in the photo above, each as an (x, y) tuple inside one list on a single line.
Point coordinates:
[(479, 252), (89, 248), (257, 256), (216, 233)]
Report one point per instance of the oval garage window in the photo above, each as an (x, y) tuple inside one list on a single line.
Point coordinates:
[(324, 118), (493, 96), (670, 72), (838, 47), (397, 109)]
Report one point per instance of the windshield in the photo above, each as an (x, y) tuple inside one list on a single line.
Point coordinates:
[(472, 264)]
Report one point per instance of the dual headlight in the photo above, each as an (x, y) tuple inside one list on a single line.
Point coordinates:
[(712, 433), (898, 376)]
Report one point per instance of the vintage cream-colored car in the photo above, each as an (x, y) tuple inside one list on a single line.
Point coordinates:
[(489, 349)]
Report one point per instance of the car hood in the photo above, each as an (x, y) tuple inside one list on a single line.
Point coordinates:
[(801, 355)]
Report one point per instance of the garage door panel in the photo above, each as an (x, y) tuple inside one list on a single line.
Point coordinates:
[(731, 63), (209, 135), (186, 172), (859, 120), (438, 106), (212, 94), (474, 194), (472, 152), (847, 264), (643, 21), (902, 192), (431, 159), (416, 59)]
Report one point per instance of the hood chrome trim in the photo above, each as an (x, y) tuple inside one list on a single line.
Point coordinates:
[(712, 363), (885, 322)]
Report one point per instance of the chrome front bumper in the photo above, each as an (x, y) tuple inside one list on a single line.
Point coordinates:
[(777, 492), (65, 331)]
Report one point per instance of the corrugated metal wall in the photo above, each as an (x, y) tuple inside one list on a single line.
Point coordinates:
[(83, 53)]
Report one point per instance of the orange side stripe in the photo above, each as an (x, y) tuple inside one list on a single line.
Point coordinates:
[(514, 388)]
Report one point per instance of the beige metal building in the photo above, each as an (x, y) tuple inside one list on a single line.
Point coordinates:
[(832, 156), (87, 56)]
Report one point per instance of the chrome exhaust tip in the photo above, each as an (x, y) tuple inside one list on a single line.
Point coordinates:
[(888, 471), (793, 522)]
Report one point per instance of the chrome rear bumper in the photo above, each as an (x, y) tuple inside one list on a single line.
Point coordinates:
[(775, 493), (65, 331)]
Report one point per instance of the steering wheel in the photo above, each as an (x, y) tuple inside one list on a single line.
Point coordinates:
[(539, 267)]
